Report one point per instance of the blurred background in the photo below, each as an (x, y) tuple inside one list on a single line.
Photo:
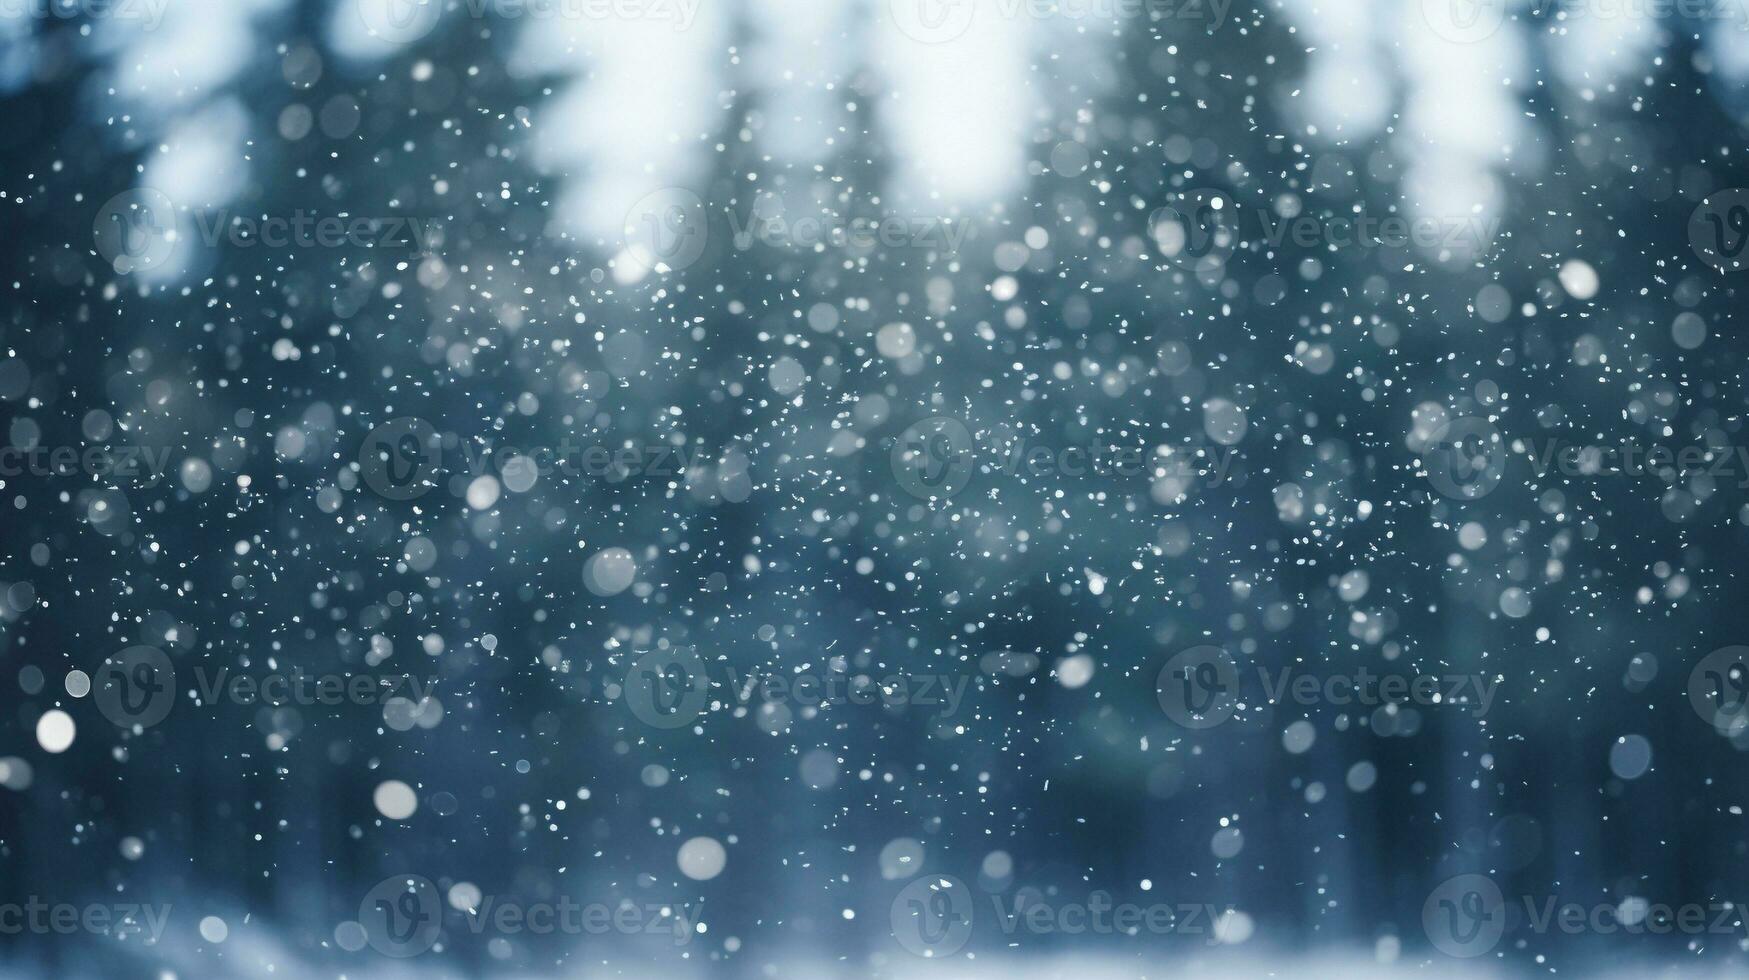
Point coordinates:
[(616, 487)]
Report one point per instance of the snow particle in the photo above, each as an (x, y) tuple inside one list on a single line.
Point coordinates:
[(702, 858)]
